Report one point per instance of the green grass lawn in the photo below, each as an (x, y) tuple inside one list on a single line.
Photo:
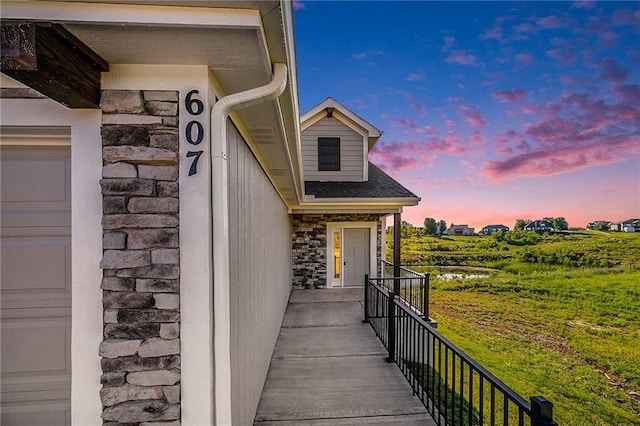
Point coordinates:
[(559, 317)]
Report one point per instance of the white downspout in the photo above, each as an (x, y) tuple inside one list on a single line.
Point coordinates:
[(220, 230)]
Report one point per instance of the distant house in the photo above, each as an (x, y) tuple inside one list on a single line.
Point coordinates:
[(604, 225), (631, 225), (539, 226), (490, 229), (460, 230)]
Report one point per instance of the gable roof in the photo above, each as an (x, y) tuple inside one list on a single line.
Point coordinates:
[(379, 185), (346, 116)]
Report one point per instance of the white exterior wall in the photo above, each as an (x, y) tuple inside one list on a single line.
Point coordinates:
[(352, 151), (260, 274)]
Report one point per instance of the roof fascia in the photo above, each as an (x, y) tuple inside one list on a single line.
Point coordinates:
[(372, 131), (100, 13), (407, 201)]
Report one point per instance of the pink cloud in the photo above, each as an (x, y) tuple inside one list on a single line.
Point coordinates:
[(525, 59), (525, 28), (573, 132), (565, 55), (400, 122), (624, 17), (416, 76), (298, 5), (472, 114), (550, 22), (572, 79), (461, 57), (448, 42), (359, 56), (585, 4), (401, 156), (418, 108), (496, 32), (510, 96), (611, 71)]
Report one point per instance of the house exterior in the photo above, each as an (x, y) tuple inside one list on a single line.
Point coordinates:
[(490, 229), (460, 230), (539, 226), (160, 197), (631, 225), (339, 229)]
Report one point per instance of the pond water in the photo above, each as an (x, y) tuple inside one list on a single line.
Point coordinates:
[(450, 276)]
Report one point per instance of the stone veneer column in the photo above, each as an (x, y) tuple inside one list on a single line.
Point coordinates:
[(141, 288)]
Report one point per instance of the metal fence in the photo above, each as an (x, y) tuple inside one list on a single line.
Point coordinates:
[(410, 286), (454, 388)]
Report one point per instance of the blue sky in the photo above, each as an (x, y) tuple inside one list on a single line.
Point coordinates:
[(491, 111)]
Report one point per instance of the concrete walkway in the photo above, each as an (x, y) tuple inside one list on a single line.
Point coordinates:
[(328, 368)]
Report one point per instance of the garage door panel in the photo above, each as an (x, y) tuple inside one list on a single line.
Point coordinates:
[(51, 413), (35, 265), (25, 342), (41, 180)]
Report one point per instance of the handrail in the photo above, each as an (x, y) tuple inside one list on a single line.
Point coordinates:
[(449, 382)]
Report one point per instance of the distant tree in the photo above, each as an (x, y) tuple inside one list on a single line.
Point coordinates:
[(521, 223), (430, 226), (559, 223), (407, 229), (442, 226)]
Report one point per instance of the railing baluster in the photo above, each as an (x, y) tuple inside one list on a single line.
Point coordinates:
[(505, 418), (391, 327), (470, 395), (493, 404), (461, 390), (481, 399), (453, 387)]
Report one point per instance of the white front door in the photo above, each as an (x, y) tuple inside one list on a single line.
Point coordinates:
[(35, 286), (355, 256)]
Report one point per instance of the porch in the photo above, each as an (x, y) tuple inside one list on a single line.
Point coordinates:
[(328, 368)]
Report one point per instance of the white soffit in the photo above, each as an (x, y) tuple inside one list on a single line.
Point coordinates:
[(230, 41)]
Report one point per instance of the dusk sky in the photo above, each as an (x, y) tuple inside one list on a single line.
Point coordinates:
[(491, 111)]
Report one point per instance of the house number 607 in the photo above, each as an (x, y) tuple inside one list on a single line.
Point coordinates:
[(194, 132)]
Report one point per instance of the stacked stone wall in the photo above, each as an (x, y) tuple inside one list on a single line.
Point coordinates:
[(141, 277), (309, 245)]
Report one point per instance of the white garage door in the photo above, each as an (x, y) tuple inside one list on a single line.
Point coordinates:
[(35, 285)]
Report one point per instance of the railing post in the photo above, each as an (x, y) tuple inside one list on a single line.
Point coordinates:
[(391, 328), (366, 298), (541, 412), (425, 297), (397, 232)]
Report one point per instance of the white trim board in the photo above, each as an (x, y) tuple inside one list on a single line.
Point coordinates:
[(373, 244), (86, 241)]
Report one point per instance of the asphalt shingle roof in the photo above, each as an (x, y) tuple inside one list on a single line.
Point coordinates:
[(379, 185)]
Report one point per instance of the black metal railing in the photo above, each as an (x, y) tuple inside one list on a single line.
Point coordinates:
[(410, 286), (454, 388)]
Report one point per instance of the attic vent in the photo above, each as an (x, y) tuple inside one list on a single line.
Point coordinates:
[(263, 135), (278, 172)]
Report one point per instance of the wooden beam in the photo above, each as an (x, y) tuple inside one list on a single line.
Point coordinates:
[(51, 60)]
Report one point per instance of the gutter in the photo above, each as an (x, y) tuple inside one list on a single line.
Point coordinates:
[(220, 230)]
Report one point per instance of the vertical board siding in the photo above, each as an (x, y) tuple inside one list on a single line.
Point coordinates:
[(260, 274), (351, 151)]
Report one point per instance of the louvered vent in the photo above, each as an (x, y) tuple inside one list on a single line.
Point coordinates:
[(264, 135)]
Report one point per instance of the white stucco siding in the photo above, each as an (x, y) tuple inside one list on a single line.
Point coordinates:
[(260, 274), (352, 155)]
